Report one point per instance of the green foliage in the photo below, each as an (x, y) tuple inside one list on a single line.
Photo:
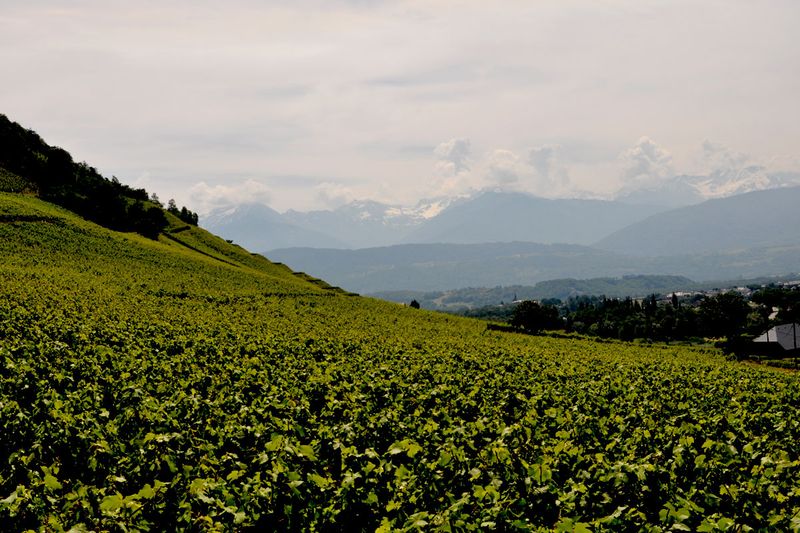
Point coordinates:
[(727, 315), (183, 214), (724, 315), (27, 163), (183, 383), (787, 300), (10, 182), (532, 317), (629, 319)]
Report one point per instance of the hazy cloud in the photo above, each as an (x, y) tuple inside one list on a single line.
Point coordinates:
[(717, 171), (332, 194), (721, 160), (548, 165), (504, 168), (301, 88), (727, 171), (646, 163), (454, 156), (206, 198)]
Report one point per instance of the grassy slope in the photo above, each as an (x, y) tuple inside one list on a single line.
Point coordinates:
[(155, 384)]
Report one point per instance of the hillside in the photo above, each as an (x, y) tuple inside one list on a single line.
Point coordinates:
[(442, 267), (29, 164), (254, 398), (185, 383), (170, 380), (756, 219)]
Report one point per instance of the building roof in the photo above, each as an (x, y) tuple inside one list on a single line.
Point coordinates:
[(785, 335)]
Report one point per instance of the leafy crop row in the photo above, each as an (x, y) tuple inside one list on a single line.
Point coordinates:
[(146, 386)]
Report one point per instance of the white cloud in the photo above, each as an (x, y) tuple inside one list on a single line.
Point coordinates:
[(504, 168), (717, 171), (333, 195), (299, 88), (719, 159), (206, 198), (727, 171), (646, 163), (548, 165), (453, 174), (454, 156), (543, 172)]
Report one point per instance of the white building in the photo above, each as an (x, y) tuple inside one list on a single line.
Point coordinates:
[(784, 335)]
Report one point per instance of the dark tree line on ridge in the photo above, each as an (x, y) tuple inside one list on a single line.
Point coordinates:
[(55, 177)]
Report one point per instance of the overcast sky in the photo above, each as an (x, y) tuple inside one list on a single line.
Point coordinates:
[(306, 104)]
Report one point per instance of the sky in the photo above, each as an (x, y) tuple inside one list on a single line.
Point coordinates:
[(308, 104)]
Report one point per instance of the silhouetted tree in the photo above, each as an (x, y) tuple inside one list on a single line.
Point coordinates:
[(723, 315), (532, 317)]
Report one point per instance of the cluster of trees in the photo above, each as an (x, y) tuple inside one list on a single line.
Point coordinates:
[(787, 302), (78, 186), (190, 217), (726, 315), (533, 317)]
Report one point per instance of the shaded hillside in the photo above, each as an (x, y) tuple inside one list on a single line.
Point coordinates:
[(27, 163), (757, 219)]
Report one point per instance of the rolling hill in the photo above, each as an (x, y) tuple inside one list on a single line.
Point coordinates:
[(150, 384), (179, 382)]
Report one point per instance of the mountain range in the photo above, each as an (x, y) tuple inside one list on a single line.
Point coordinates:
[(685, 189), (497, 216), (488, 216), (748, 235), (756, 219)]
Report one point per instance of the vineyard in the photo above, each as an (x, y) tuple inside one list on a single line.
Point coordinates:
[(185, 384)]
